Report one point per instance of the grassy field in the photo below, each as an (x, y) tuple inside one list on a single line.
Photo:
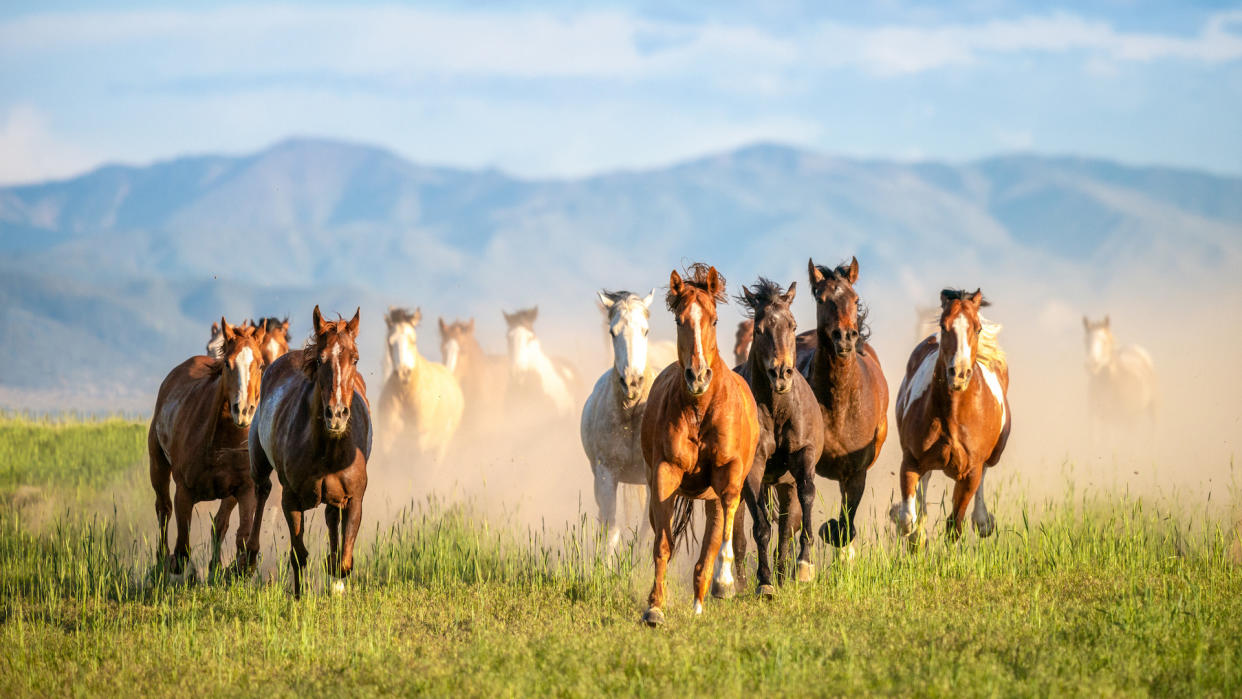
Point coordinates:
[(1097, 596)]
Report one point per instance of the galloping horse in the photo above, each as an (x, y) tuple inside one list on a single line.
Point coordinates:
[(314, 428), (484, 378), (1121, 382), (276, 343), (741, 341), (791, 432), (952, 415), (613, 415), (420, 397), (844, 371), (198, 438), (660, 353), (534, 375), (699, 435)]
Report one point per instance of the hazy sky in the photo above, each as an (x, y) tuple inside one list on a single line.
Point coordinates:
[(557, 89)]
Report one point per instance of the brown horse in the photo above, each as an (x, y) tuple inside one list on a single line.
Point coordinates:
[(484, 377), (314, 428), (844, 371), (741, 341), (952, 415), (276, 343), (198, 438), (791, 432), (699, 435)]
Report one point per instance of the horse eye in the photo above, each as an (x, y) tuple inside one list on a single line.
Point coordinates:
[(645, 331)]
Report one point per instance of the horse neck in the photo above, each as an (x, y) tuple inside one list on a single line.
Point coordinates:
[(759, 382), (222, 425), (832, 376)]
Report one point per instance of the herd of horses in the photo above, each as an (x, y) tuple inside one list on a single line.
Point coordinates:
[(675, 419)]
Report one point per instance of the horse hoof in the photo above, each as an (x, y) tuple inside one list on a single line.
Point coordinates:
[(338, 587), (894, 513), (765, 592), (723, 590), (985, 528), (653, 617), (806, 571), (846, 554), (825, 533), (916, 540)]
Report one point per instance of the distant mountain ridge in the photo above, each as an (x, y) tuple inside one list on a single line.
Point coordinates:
[(159, 250)]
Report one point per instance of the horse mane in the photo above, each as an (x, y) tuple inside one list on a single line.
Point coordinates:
[(696, 275), (402, 315), (762, 292), (310, 351), (271, 323), (524, 317), (990, 353)]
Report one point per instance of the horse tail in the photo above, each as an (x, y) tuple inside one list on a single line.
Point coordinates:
[(683, 511)]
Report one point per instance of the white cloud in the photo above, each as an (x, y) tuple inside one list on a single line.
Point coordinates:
[(30, 152)]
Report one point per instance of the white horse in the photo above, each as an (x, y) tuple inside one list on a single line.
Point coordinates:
[(1121, 382), (421, 399), (533, 373), (613, 415)]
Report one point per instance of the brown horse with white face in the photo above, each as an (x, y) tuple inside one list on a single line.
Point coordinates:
[(276, 338), (198, 439), (484, 378), (844, 371), (699, 435), (313, 428), (952, 415)]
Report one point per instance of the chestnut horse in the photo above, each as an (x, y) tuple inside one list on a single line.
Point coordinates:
[(791, 432), (844, 371), (484, 378), (276, 342), (952, 415), (699, 435), (198, 438), (314, 428), (741, 341), (421, 398)]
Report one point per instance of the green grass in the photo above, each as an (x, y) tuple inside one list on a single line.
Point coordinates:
[(1101, 596), (68, 454)]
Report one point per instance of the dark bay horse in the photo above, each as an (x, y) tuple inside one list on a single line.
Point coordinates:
[(742, 339), (699, 435), (952, 415), (791, 432), (198, 439), (844, 371), (314, 428), (484, 377)]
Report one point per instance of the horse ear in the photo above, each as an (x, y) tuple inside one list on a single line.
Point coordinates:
[(674, 282), (508, 318), (977, 297), (945, 298), (260, 333), (713, 282), (1106, 321), (229, 331), (443, 327), (791, 292), (353, 322), (1086, 324), (215, 328), (816, 275), (604, 300), (748, 297), (418, 315), (649, 298), (534, 313), (852, 272), (317, 317), (285, 324), (470, 325)]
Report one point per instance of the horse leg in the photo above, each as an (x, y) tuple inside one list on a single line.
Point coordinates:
[(713, 536), (220, 527), (785, 503), (840, 532), (983, 521), (804, 479), (963, 490), (606, 501), (739, 546), (756, 497), (183, 509), (294, 518), (332, 518), (261, 474), (245, 521), (727, 482), (905, 514), (660, 503), (161, 474), (353, 523)]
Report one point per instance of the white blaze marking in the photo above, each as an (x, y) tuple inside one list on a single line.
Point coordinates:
[(961, 328), (336, 373), (912, 388), (696, 318), (243, 361), (451, 349)]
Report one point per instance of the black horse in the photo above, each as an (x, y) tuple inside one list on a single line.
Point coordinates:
[(791, 433)]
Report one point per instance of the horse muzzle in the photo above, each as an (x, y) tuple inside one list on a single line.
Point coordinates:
[(698, 382), (242, 417), (632, 384), (959, 377), (781, 378), (336, 419)]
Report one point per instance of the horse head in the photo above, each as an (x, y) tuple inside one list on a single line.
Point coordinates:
[(1099, 341), (403, 339), (628, 324), (838, 315), (959, 335), (453, 337), (276, 344), (523, 345), (241, 369), (693, 303), (774, 331), (334, 361)]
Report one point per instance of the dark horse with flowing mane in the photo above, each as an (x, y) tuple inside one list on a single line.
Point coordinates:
[(198, 438), (791, 431), (314, 428), (952, 415), (844, 371), (699, 434)]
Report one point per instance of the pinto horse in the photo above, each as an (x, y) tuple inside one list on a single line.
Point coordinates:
[(420, 398), (699, 435), (313, 428), (198, 439), (844, 372), (952, 415), (536, 377), (741, 341), (791, 432), (484, 378)]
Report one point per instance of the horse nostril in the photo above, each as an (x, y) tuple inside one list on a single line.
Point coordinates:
[(689, 376), (707, 375)]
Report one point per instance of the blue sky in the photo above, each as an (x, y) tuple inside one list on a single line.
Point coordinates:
[(553, 89)]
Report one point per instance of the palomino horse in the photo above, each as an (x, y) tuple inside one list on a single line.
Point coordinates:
[(742, 339), (421, 398), (844, 371), (198, 438), (484, 378), (952, 415), (1121, 381), (536, 377), (699, 435), (613, 414), (791, 431), (314, 428)]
